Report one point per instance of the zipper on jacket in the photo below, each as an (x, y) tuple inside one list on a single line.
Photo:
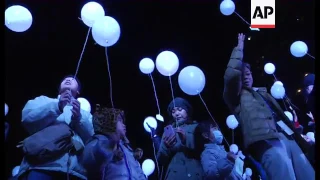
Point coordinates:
[(126, 161)]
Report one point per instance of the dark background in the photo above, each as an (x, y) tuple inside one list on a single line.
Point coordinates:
[(38, 59)]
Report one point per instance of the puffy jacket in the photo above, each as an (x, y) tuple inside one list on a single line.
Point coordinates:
[(216, 165), (181, 159), (42, 112), (98, 160), (249, 106)]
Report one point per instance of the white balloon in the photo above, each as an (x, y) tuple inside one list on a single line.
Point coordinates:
[(248, 172), (6, 109), (310, 135), (148, 167), (15, 171), (84, 104), (277, 91), (90, 12), (18, 18), (227, 7), (298, 49), (152, 123), (278, 83), (106, 31), (167, 63), (146, 66), (289, 115), (191, 80), (232, 122), (269, 68), (234, 148), (159, 117)]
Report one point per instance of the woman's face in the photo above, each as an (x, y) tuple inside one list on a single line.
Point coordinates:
[(121, 128), (179, 114)]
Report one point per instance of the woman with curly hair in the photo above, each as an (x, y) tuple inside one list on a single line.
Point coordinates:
[(108, 155)]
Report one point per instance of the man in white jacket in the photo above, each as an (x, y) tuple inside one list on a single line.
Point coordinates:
[(43, 112)]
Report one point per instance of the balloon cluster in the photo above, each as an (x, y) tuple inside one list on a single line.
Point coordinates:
[(105, 29)]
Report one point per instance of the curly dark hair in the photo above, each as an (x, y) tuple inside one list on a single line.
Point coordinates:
[(105, 119)]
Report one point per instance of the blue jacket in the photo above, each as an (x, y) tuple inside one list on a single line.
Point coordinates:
[(216, 165), (98, 160), (42, 112)]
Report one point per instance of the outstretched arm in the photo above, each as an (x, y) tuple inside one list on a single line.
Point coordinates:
[(233, 75)]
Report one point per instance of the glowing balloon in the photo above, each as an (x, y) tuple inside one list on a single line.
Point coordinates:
[(234, 148), (6, 109), (269, 68), (298, 49), (84, 104), (159, 117), (148, 167), (15, 171), (289, 115), (310, 135), (278, 83), (90, 12), (227, 7), (167, 63), (146, 66), (277, 91), (106, 31), (232, 122), (248, 172), (18, 18), (191, 80), (151, 121)]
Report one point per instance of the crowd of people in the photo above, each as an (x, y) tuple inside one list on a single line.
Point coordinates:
[(66, 142)]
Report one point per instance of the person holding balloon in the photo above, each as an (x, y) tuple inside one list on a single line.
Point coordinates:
[(177, 149), (108, 155), (216, 162), (58, 130), (258, 112)]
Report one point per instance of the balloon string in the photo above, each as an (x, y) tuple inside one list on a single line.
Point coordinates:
[(242, 18), (110, 80), (84, 47), (205, 105), (284, 103), (311, 56), (155, 156), (155, 92), (172, 95), (275, 78)]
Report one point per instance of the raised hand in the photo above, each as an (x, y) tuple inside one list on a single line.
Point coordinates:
[(241, 38)]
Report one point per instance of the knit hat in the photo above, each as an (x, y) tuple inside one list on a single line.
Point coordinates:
[(182, 103), (79, 84), (308, 80), (105, 120)]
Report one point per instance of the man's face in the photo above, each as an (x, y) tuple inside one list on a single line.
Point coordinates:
[(247, 79), (179, 114), (121, 128), (69, 83)]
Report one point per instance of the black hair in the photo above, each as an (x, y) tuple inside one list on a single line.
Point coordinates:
[(199, 140), (246, 65)]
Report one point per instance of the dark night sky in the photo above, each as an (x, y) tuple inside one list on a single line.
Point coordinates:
[(36, 60)]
